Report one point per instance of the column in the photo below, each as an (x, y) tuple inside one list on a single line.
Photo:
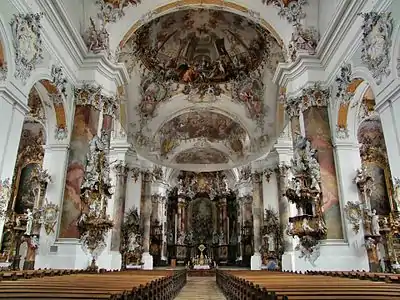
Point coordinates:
[(55, 161), (85, 127), (348, 161), (147, 259), (318, 131), (240, 225), (284, 205), (12, 115), (121, 172), (256, 260)]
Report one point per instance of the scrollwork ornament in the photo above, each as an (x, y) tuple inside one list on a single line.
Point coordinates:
[(354, 215), (3, 72), (343, 80), (376, 43), (26, 30), (48, 217), (59, 79), (112, 11), (304, 39), (292, 10)]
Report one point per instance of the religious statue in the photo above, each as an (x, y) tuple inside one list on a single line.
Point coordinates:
[(29, 222), (271, 243), (290, 228), (375, 223), (306, 227), (181, 239)]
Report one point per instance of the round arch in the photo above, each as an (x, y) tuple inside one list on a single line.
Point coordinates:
[(121, 31)]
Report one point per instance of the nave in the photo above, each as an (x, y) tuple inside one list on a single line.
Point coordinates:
[(182, 284)]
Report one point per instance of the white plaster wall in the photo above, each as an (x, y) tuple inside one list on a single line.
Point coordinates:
[(326, 11), (270, 193), (133, 193)]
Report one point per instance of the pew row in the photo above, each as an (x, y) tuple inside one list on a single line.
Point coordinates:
[(302, 286), (235, 288), (386, 277), (27, 274), (135, 285)]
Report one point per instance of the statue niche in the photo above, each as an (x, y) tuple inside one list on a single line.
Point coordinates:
[(202, 220)]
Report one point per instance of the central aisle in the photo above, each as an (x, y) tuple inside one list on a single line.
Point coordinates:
[(200, 288)]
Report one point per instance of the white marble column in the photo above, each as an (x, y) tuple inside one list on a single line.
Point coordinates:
[(55, 161), (147, 258), (257, 208)]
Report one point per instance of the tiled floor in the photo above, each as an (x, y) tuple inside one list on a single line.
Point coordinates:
[(200, 288)]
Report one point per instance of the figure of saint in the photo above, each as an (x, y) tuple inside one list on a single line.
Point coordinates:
[(29, 222), (375, 223)]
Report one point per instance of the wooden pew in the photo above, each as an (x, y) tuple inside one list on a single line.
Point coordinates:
[(304, 286), (386, 277), (105, 285)]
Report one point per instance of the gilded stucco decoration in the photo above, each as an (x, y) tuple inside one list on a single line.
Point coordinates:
[(97, 39), (377, 41), (59, 79), (304, 40), (26, 30), (113, 10), (90, 94), (344, 97), (292, 10), (354, 215)]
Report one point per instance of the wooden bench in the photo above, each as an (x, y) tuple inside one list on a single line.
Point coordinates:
[(138, 285), (386, 277), (303, 286)]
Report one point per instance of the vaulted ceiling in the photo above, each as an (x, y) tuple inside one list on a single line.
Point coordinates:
[(201, 95)]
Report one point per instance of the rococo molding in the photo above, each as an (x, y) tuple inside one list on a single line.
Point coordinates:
[(112, 11), (376, 43), (292, 10), (26, 30)]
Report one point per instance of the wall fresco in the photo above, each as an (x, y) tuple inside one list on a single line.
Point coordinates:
[(316, 121), (84, 129)]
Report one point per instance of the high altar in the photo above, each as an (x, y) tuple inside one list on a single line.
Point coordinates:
[(200, 229)]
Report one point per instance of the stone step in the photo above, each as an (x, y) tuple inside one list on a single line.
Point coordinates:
[(200, 288)]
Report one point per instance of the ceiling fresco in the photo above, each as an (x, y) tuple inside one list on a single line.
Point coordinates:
[(201, 45), (212, 70), (202, 125), (202, 156)]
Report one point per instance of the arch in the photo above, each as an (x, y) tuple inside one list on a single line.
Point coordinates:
[(342, 111), (395, 53), (6, 46), (56, 99), (354, 105), (159, 9)]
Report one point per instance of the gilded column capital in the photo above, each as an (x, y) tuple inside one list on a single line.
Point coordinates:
[(256, 177), (314, 96), (292, 106), (110, 107), (282, 169), (88, 94), (147, 175), (121, 169)]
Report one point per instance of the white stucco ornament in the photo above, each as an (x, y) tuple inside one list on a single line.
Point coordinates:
[(377, 32), (26, 30)]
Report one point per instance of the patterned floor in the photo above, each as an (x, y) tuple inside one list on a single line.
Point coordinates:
[(200, 288)]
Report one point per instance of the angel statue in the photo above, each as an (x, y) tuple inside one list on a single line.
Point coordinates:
[(306, 226), (29, 222)]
